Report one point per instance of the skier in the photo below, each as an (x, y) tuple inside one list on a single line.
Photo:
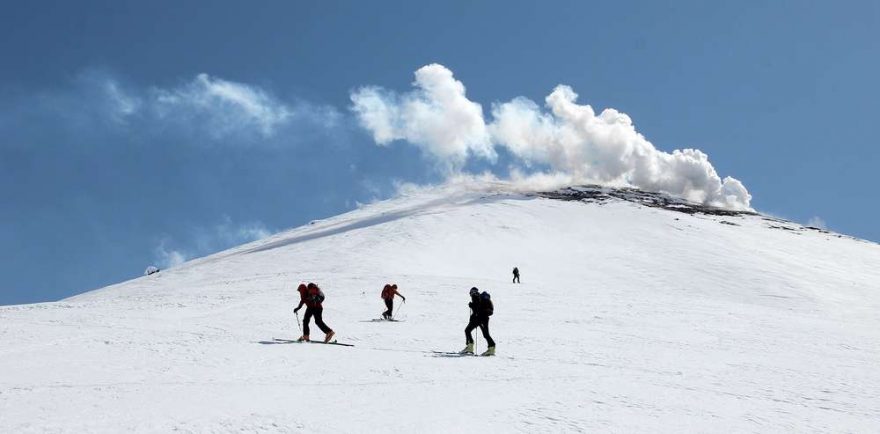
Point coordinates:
[(388, 293), (311, 296), (516, 275), (481, 309)]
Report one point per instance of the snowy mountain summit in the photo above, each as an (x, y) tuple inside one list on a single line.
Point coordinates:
[(637, 312)]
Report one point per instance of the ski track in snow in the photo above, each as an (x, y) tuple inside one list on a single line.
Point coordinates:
[(629, 319)]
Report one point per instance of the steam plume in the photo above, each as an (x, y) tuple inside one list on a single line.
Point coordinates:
[(567, 137)]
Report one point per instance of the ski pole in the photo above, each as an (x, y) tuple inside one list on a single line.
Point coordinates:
[(399, 308), (476, 343), (297, 322), (476, 339)]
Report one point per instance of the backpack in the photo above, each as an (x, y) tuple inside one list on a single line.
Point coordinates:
[(386, 292), (488, 307), (319, 297)]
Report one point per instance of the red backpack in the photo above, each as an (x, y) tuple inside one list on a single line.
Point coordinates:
[(387, 292), (314, 296)]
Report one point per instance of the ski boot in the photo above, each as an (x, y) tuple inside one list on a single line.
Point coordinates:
[(469, 349), (489, 352), (303, 338), (329, 336)]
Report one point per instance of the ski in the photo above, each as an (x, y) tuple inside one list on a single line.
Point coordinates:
[(451, 354), (457, 354), (331, 343), (291, 341)]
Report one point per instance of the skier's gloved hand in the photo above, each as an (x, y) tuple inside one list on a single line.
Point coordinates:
[(296, 310)]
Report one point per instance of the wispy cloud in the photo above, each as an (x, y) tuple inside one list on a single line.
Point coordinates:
[(206, 240), (166, 257), (202, 109), (121, 104), (817, 222), (221, 106), (229, 233)]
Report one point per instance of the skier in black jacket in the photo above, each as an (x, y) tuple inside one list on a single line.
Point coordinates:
[(481, 309)]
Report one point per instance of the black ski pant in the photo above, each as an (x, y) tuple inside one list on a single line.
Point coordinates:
[(516, 278), (389, 303), (316, 312), (483, 324)]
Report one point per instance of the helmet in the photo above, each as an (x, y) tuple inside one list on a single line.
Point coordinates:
[(485, 296), (475, 291)]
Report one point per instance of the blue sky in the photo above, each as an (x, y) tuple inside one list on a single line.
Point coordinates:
[(142, 133)]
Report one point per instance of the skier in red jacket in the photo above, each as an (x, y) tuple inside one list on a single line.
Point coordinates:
[(388, 293), (311, 296)]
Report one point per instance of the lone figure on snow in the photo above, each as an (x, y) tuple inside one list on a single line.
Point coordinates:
[(481, 309), (388, 293), (516, 275), (312, 296)]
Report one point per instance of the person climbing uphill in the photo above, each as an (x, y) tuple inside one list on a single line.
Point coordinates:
[(388, 293), (481, 309), (311, 296)]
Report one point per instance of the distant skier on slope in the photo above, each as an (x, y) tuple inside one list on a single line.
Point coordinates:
[(388, 293), (311, 296), (481, 309), (516, 275)]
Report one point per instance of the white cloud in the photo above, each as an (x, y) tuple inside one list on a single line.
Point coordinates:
[(569, 138), (206, 240), (121, 103), (817, 222), (244, 233), (225, 106), (436, 116), (204, 107), (166, 257), (226, 234)]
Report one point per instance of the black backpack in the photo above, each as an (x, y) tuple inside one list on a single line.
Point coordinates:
[(319, 298), (488, 307)]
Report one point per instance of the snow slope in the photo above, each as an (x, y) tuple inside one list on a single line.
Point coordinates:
[(629, 319)]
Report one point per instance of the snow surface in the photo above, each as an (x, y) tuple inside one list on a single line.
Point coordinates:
[(629, 319)]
